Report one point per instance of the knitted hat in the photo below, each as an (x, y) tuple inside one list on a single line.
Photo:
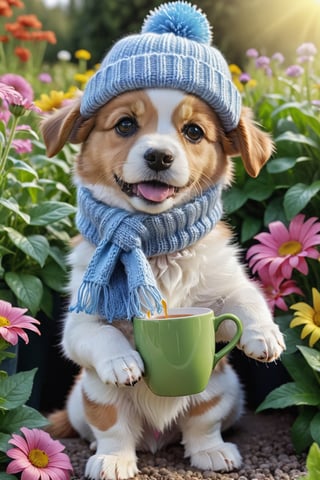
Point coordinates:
[(173, 50)]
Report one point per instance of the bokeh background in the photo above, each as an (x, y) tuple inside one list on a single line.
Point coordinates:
[(267, 25)]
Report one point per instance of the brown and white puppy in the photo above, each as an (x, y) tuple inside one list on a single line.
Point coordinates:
[(110, 404)]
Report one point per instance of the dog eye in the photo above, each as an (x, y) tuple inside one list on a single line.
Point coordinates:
[(126, 126), (193, 132)]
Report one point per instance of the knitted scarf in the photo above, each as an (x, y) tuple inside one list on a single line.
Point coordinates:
[(119, 283)]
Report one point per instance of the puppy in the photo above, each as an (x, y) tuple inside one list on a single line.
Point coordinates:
[(110, 403), (158, 124)]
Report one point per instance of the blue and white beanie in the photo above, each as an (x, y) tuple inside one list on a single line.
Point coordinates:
[(173, 50)]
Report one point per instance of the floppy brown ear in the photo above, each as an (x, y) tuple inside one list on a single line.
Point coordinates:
[(65, 125), (247, 140)]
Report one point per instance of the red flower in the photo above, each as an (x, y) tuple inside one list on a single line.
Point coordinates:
[(23, 53)]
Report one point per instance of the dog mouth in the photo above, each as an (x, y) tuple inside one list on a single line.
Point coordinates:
[(152, 191)]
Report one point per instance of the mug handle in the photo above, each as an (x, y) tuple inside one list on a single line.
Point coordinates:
[(233, 342)]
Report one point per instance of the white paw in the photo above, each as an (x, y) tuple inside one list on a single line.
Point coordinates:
[(264, 343), (122, 370), (224, 457), (111, 467)]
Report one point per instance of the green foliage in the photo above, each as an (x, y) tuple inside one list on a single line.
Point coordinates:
[(36, 208), (313, 463)]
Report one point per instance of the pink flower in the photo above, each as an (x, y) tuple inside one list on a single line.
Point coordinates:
[(8, 94), (13, 322), (284, 249), (275, 288), (38, 456), (19, 83), (21, 145)]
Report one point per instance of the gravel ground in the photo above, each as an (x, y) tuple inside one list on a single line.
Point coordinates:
[(263, 440)]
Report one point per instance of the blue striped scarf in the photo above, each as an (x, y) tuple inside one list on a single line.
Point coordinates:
[(119, 283)]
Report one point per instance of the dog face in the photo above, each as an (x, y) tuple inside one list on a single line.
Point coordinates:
[(151, 150)]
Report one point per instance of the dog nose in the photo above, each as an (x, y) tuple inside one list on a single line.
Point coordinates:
[(158, 159)]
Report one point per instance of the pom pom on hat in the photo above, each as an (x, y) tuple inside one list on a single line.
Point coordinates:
[(173, 50), (181, 19)]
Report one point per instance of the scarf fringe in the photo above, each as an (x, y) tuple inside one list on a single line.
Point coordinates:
[(141, 300)]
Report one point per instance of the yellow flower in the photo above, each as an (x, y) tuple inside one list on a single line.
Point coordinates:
[(234, 69), (82, 54), (53, 100), (309, 317)]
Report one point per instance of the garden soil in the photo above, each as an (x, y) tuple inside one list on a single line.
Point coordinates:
[(263, 440)]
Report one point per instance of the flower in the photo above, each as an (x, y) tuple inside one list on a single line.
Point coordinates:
[(307, 49), (38, 456), (22, 53), (278, 57), (252, 53), (309, 317), (284, 249), (8, 93), (45, 77), (54, 100), (262, 62), (13, 321), (275, 288), (64, 56), (20, 84), (82, 54), (294, 71)]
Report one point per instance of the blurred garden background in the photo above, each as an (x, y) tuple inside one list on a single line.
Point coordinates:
[(48, 50)]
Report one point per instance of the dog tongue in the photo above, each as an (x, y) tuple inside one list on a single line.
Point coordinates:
[(156, 192)]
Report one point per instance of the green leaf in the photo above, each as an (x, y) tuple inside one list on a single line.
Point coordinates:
[(12, 420), (54, 277), (298, 196), (288, 395), (7, 476), (234, 199), (27, 288), (300, 430), (36, 246), (312, 357), (301, 372), (50, 212), (16, 389), (23, 166), (11, 205), (274, 211), (315, 428), (313, 462), (294, 137), (4, 437), (59, 257), (250, 227), (282, 164), (260, 188)]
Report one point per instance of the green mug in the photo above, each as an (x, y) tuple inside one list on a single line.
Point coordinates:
[(178, 351)]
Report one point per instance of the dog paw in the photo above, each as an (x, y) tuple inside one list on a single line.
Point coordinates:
[(111, 467), (224, 457), (264, 343), (123, 370)]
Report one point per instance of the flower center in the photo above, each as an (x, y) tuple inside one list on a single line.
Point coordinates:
[(290, 248), (38, 458), (316, 318), (4, 322)]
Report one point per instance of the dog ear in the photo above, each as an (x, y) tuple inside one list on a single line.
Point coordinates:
[(65, 125), (247, 140)]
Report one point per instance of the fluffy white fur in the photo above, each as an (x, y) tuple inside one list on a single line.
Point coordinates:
[(207, 274)]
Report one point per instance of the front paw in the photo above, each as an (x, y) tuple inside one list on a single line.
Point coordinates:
[(264, 342), (123, 370), (223, 457), (111, 467)]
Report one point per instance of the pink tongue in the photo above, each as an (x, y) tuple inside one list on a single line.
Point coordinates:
[(155, 192)]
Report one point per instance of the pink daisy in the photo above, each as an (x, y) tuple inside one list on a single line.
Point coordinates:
[(13, 322), (284, 249), (19, 83), (8, 94), (38, 456), (275, 288)]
